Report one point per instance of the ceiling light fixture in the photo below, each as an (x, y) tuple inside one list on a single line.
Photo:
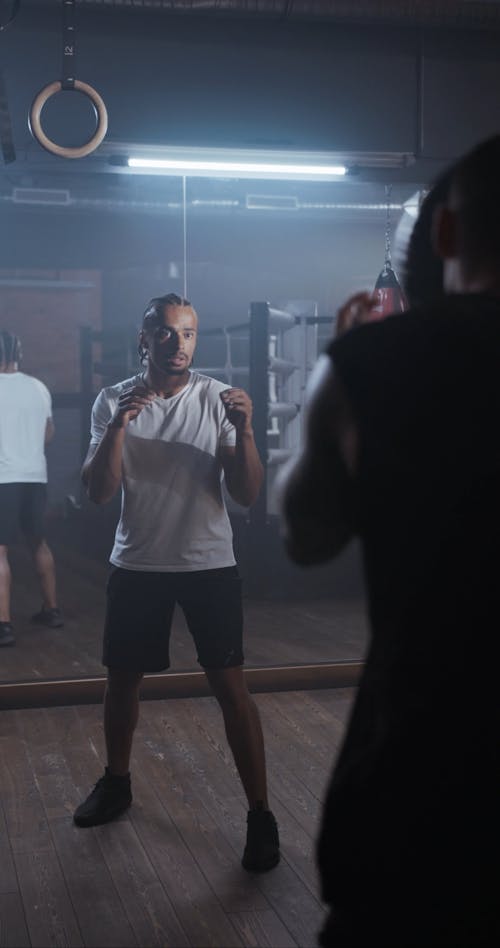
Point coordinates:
[(247, 163)]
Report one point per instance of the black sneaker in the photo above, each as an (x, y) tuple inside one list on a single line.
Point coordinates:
[(262, 851), (110, 798), (7, 636), (52, 618)]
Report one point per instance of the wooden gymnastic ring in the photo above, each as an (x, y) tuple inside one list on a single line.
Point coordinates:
[(36, 125)]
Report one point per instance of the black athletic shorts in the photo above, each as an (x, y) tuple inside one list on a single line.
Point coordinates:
[(22, 506), (139, 614)]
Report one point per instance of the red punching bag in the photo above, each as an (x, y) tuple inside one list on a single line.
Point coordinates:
[(388, 290), (389, 293)]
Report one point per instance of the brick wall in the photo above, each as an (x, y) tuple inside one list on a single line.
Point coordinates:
[(46, 308)]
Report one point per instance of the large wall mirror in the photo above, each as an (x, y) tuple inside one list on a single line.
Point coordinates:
[(76, 302)]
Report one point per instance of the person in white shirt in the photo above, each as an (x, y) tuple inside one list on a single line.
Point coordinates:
[(25, 428), (168, 437)]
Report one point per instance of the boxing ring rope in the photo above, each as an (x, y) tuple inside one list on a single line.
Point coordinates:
[(267, 324)]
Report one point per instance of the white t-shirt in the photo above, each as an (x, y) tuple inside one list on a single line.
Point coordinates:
[(173, 516), (25, 407)]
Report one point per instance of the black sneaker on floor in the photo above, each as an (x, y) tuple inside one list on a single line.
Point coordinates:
[(262, 851), (7, 636), (110, 798), (52, 618)]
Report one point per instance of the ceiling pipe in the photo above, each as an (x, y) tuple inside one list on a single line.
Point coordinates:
[(475, 14)]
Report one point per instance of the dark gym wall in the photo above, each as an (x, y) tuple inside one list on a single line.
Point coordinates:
[(231, 261), (217, 81), (244, 81), (185, 79)]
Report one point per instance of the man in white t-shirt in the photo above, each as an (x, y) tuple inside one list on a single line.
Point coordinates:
[(168, 437), (25, 427)]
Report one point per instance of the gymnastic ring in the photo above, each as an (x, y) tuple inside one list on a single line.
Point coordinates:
[(36, 129)]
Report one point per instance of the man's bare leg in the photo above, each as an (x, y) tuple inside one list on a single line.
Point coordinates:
[(112, 794), (243, 730), (5, 582), (46, 572), (244, 734), (121, 713)]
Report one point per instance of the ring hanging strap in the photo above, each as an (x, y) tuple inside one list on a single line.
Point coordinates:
[(69, 45)]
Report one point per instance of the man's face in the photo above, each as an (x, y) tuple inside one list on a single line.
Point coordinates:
[(171, 343)]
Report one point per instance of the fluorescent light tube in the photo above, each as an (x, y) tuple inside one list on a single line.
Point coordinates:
[(261, 169)]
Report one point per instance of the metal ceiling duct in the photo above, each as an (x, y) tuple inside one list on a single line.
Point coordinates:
[(469, 14)]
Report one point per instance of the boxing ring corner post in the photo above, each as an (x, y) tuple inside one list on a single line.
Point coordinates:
[(87, 395), (258, 384)]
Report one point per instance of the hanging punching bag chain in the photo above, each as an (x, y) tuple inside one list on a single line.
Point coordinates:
[(68, 82), (388, 192), (387, 289)]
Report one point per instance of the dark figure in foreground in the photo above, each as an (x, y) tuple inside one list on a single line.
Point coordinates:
[(26, 426), (167, 437), (403, 450)]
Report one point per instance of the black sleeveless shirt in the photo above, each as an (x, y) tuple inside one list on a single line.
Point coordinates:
[(413, 790)]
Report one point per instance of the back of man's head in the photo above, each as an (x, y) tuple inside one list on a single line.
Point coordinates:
[(421, 267), (475, 199), (10, 348)]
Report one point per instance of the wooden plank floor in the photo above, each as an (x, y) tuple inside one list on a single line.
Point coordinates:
[(168, 872), (276, 632)]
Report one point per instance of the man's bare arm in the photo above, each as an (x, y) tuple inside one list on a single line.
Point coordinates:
[(102, 468), (49, 430), (317, 488), (243, 470), (242, 466)]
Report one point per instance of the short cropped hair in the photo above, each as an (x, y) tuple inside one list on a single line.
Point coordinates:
[(422, 268), (475, 197), (10, 347)]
